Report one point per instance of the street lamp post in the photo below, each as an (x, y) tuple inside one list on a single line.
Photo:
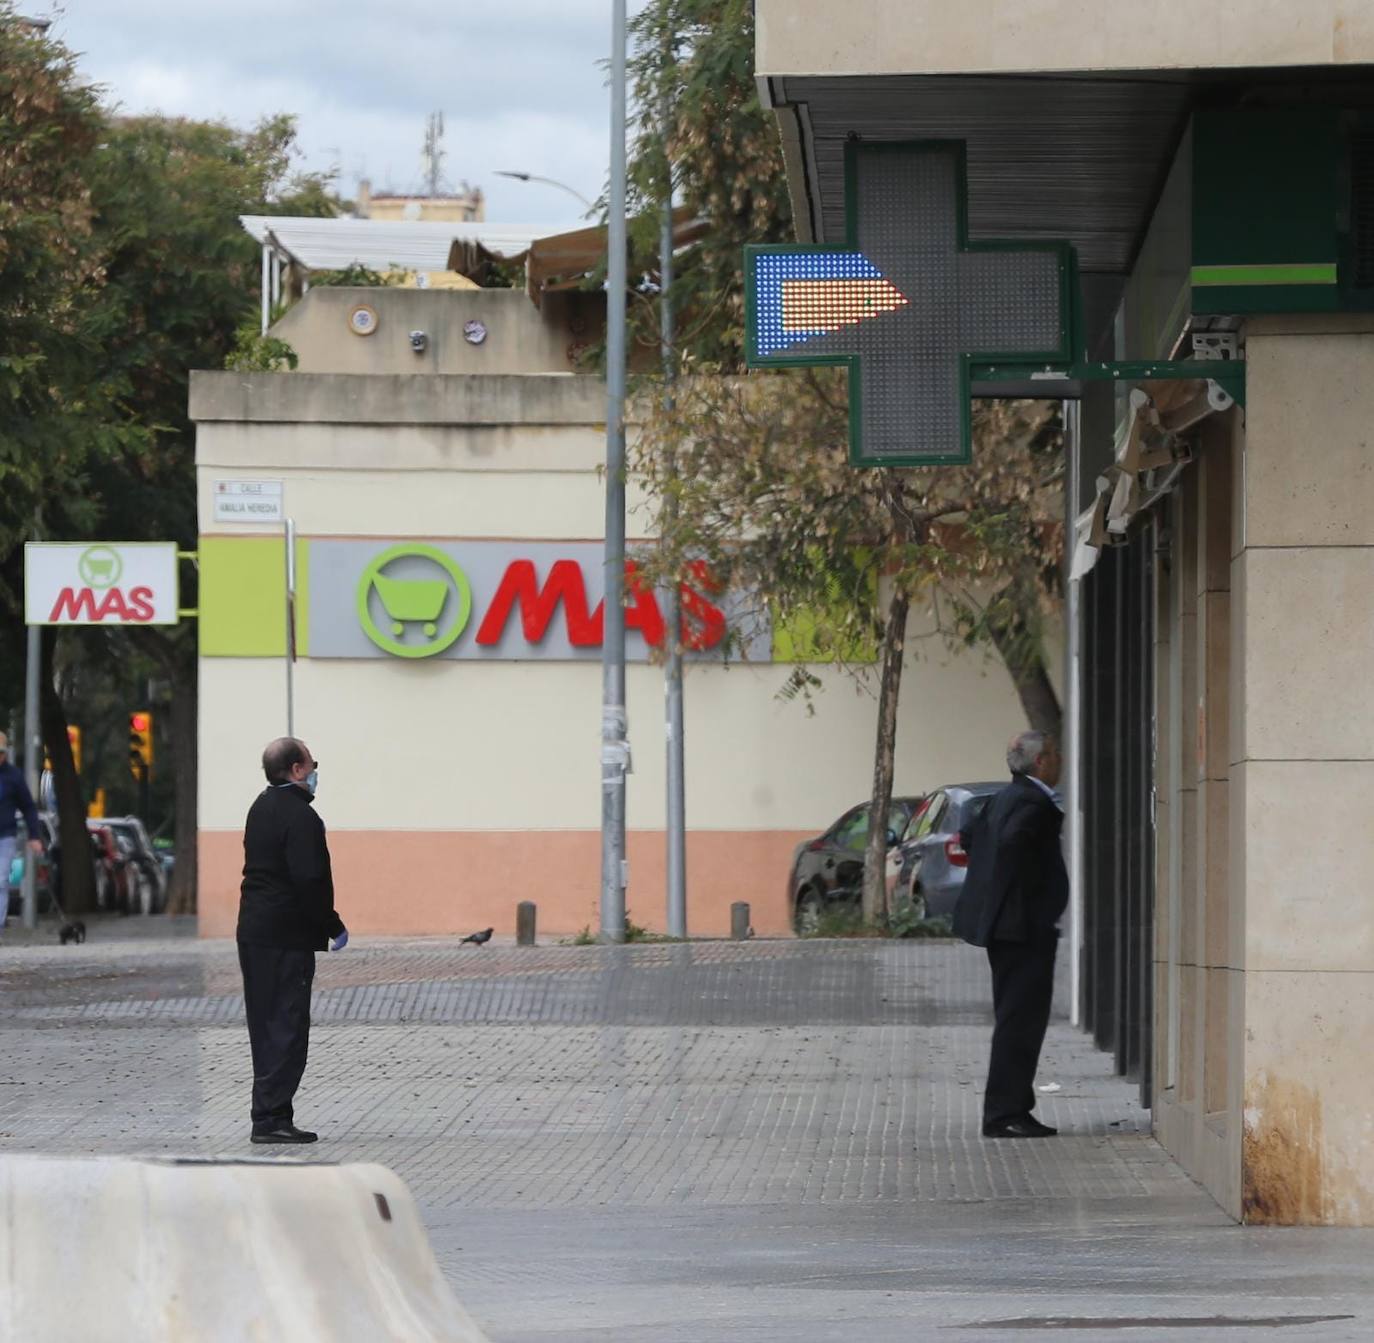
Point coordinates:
[(548, 181), (615, 750)]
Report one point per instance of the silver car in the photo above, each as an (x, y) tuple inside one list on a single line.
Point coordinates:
[(930, 861)]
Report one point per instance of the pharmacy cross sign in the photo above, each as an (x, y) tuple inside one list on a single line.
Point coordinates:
[(908, 304)]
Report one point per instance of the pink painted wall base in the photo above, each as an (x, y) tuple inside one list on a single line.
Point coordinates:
[(420, 883)]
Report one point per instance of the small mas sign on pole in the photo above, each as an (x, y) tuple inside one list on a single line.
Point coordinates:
[(100, 583)]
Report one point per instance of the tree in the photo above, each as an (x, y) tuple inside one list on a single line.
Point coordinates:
[(756, 467), (122, 267), (181, 277), (55, 425)]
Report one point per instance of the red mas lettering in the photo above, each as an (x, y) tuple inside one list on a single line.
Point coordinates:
[(537, 605)]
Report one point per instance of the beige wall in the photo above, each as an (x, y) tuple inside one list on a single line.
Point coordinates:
[(1305, 564), (1265, 940), (520, 337), (877, 37), (455, 789), (1199, 955)]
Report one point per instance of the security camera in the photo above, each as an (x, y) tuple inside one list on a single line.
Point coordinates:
[(418, 341)]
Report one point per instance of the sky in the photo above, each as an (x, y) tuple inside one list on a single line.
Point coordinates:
[(520, 83)]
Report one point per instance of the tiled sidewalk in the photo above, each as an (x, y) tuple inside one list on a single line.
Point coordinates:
[(768, 1140)]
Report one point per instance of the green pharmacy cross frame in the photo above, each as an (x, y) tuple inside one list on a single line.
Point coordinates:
[(908, 304), (919, 314)]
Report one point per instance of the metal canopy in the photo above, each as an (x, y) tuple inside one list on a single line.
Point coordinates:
[(1049, 158), (382, 244)]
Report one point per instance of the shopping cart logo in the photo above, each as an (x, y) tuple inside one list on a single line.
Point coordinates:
[(413, 601), (100, 567)]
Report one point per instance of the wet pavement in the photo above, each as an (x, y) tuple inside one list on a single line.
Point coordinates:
[(712, 1141)]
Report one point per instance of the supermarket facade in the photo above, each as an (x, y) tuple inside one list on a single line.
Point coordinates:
[(448, 644)]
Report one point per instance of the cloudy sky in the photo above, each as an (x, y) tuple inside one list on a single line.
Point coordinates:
[(518, 81)]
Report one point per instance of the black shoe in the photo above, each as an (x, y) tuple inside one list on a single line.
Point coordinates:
[(285, 1133), (1023, 1126)]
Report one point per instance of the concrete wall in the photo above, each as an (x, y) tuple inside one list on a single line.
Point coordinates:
[(520, 337), (1199, 951), (1265, 932), (455, 789), (1304, 569), (801, 37)]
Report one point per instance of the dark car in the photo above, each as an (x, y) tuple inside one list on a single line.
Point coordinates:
[(929, 860), (147, 875), (829, 870)]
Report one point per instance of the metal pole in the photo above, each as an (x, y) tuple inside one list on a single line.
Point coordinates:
[(614, 747), (290, 627), (677, 780), (266, 287), (1073, 744), (33, 762)]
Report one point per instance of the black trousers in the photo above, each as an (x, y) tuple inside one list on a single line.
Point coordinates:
[(276, 997), (1022, 991)]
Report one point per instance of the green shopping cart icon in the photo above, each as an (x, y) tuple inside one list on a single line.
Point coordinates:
[(100, 567), (413, 601)]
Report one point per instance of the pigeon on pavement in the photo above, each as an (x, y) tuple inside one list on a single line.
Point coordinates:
[(479, 939)]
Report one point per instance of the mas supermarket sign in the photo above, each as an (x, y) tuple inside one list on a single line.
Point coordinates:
[(107, 583), (504, 601)]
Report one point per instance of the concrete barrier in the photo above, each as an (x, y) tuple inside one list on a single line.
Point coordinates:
[(111, 1249)]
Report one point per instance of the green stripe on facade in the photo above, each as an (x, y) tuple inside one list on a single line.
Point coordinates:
[(1294, 273), (243, 597)]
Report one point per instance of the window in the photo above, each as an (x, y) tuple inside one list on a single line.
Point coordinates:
[(932, 816), (852, 832)]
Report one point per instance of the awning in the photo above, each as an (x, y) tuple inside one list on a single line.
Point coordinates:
[(383, 244), (1151, 452), (560, 260)]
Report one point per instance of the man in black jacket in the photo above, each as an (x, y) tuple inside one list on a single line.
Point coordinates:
[(286, 914), (1014, 893)]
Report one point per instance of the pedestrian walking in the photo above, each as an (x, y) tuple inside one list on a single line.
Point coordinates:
[(15, 800), (1016, 889), (286, 914)]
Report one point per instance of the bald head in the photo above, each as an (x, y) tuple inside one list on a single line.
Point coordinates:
[(1036, 754), (281, 756)]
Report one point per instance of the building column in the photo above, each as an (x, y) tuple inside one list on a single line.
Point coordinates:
[(1303, 841)]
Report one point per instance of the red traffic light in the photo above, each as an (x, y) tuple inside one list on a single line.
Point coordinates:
[(138, 722)]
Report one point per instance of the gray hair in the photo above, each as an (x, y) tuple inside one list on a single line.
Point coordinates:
[(1025, 749), (279, 756)]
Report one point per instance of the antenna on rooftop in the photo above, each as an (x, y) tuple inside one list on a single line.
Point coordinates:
[(432, 157)]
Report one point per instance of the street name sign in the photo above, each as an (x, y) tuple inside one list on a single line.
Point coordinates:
[(100, 583), (908, 304), (251, 501)]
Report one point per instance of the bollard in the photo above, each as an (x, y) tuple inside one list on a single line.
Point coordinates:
[(524, 923), (739, 921)]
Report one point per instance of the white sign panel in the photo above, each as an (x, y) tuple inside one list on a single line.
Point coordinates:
[(253, 501), (100, 583)]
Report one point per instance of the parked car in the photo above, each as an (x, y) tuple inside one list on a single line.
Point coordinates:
[(113, 879), (828, 871), (148, 877), (928, 864)]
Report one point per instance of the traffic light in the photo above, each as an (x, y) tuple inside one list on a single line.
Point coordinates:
[(141, 744), (74, 737)]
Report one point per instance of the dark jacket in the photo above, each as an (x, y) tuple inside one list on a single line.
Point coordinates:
[(14, 798), (287, 897), (1017, 886)]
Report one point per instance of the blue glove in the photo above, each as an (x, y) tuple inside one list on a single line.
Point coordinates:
[(340, 942)]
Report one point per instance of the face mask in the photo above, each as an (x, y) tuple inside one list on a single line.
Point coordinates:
[(311, 782)]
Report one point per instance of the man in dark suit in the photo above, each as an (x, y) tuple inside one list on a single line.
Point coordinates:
[(286, 914), (1016, 889)]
